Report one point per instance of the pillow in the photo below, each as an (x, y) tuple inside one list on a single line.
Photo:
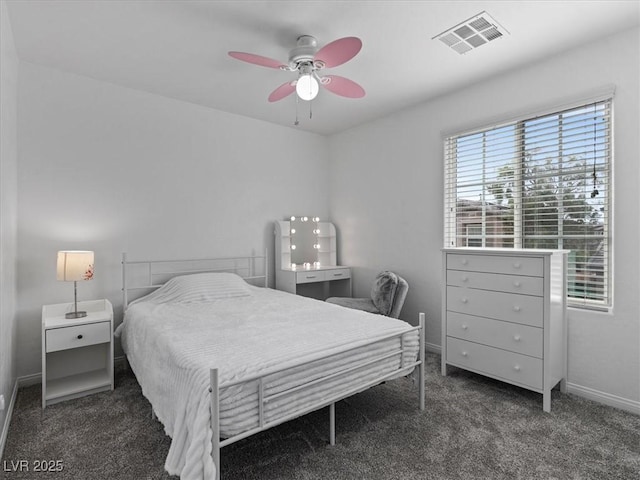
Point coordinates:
[(383, 291), (200, 288)]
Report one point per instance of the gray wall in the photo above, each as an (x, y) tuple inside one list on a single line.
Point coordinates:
[(8, 202), (387, 199)]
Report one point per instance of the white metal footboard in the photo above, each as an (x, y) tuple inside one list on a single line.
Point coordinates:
[(352, 367)]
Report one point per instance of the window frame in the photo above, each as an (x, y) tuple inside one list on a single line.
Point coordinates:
[(605, 94)]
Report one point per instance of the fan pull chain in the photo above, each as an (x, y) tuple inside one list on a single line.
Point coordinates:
[(310, 111), (296, 122)]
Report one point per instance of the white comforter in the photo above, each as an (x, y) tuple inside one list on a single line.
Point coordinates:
[(172, 346)]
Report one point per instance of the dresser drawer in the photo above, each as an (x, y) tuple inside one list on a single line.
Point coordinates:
[(495, 333), (79, 336), (337, 274), (511, 367), (310, 276), (511, 265), (497, 282), (510, 307)]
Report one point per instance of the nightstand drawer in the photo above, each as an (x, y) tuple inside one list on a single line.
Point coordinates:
[(496, 282), (496, 264), (310, 276), (495, 333), (78, 336), (512, 367)]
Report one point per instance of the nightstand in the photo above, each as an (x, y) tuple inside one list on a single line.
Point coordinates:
[(77, 353)]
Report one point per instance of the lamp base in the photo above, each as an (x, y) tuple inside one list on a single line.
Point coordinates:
[(75, 315)]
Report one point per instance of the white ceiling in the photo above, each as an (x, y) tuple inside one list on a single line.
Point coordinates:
[(178, 48)]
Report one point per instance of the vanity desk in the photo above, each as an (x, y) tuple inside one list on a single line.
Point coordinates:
[(306, 259)]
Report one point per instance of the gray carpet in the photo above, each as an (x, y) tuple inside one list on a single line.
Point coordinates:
[(473, 428)]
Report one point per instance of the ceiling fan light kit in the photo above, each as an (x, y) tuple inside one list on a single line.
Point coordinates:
[(307, 60), (307, 87)]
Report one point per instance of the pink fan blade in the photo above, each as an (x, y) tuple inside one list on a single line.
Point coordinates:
[(256, 59), (339, 51), (342, 86), (282, 91)]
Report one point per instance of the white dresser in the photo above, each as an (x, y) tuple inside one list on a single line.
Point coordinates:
[(504, 315)]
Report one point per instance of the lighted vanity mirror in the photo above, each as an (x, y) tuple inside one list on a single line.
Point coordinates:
[(304, 241)]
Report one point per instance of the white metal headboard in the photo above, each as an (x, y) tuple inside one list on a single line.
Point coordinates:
[(144, 276)]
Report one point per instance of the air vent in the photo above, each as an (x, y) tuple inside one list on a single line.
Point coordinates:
[(472, 33)]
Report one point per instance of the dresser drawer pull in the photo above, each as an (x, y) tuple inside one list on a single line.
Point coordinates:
[(464, 327), (310, 276), (516, 338), (464, 354), (516, 308), (465, 279), (337, 274), (516, 368), (517, 284), (80, 337), (464, 261), (517, 265), (464, 300)]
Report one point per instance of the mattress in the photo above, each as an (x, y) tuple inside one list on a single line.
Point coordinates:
[(172, 345)]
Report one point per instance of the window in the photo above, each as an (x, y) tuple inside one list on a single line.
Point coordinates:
[(474, 235), (542, 182)]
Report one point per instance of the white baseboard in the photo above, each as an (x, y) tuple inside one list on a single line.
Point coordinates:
[(432, 347), (120, 361), (28, 380), (7, 418), (632, 406)]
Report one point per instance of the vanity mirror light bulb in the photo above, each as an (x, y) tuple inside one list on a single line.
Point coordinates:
[(293, 230), (293, 247), (304, 219), (293, 266), (316, 219), (293, 219)]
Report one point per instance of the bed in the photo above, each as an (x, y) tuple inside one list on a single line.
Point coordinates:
[(221, 357)]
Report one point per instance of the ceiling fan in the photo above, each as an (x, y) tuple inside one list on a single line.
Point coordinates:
[(308, 61)]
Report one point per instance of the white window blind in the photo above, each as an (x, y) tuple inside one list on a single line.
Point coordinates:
[(542, 182)]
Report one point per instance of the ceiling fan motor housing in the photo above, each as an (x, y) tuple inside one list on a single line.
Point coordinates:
[(306, 48)]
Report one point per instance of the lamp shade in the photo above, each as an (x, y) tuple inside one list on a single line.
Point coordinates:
[(75, 265)]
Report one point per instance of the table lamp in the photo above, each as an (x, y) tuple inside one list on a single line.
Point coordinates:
[(74, 265)]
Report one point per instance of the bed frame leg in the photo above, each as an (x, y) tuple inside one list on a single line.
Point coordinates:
[(332, 424), (215, 421), (421, 368)]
